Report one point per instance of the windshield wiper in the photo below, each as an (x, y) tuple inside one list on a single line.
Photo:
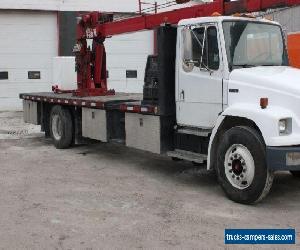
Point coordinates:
[(270, 65), (244, 65)]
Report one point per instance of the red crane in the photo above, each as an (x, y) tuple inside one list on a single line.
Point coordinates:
[(91, 62)]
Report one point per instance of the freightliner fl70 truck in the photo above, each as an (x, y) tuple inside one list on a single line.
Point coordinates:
[(219, 92)]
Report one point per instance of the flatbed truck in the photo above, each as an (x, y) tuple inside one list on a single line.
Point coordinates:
[(219, 92)]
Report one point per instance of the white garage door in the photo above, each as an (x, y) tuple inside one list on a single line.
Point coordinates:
[(28, 42), (126, 60)]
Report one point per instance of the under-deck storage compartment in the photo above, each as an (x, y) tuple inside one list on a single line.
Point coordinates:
[(30, 112), (148, 132), (94, 124)]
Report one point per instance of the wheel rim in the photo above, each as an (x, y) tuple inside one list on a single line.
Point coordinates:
[(239, 166), (56, 127)]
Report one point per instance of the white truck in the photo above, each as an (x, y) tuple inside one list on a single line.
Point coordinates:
[(220, 92)]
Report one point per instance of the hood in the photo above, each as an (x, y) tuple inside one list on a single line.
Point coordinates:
[(281, 85), (281, 78)]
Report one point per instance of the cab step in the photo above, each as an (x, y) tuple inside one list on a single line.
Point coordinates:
[(187, 155), (194, 131)]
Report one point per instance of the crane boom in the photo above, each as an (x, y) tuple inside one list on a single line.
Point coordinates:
[(155, 20), (91, 63), (152, 21)]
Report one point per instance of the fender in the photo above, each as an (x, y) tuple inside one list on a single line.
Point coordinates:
[(265, 119)]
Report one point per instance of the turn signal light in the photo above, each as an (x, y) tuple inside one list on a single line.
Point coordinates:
[(216, 14), (264, 102), (237, 15)]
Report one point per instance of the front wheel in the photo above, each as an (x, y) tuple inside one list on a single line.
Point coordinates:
[(241, 165)]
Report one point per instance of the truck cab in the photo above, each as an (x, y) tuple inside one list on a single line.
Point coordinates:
[(211, 52), (233, 78)]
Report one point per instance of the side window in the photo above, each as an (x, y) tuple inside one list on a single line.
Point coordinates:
[(200, 48), (192, 41), (213, 57)]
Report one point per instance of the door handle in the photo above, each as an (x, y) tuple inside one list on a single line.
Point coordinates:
[(182, 94)]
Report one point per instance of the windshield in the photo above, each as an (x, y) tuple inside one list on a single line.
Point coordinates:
[(250, 44)]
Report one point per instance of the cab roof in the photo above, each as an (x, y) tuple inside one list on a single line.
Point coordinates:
[(221, 19)]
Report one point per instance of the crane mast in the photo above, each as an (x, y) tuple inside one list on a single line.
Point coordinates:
[(91, 62)]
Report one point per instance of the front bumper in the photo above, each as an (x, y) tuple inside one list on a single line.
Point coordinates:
[(283, 158)]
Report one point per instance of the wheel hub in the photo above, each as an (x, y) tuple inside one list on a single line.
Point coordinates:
[(56, 127), (239, 166)]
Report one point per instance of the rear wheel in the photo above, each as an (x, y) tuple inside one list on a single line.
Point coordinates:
[(61, 127), (241, 165), (295, 173)]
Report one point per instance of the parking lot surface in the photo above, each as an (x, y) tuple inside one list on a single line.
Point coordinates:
[(102, 196)]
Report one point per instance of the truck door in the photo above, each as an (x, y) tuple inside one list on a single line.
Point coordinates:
[(199, 76)]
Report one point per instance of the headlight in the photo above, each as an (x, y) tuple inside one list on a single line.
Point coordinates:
[(282, 126), (285, 126)]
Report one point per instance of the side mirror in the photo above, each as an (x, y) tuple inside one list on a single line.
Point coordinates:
[(188, 65), (187, 52), (189, 62), (187, 44)]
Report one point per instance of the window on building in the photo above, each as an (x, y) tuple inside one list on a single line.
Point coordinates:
[(34, 75), (131, 73), (4, 75)]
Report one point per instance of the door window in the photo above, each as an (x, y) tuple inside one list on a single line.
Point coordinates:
[(200, 48)]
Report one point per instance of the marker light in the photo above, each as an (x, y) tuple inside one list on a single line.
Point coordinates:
[(216, 14), (264, 102), (237, 15)]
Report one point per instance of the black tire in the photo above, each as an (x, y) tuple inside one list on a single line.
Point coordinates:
[(176, 159), (249, 140), (62, 133), (295, 173)]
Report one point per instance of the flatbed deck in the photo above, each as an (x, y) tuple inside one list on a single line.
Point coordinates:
[(127, 102)]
